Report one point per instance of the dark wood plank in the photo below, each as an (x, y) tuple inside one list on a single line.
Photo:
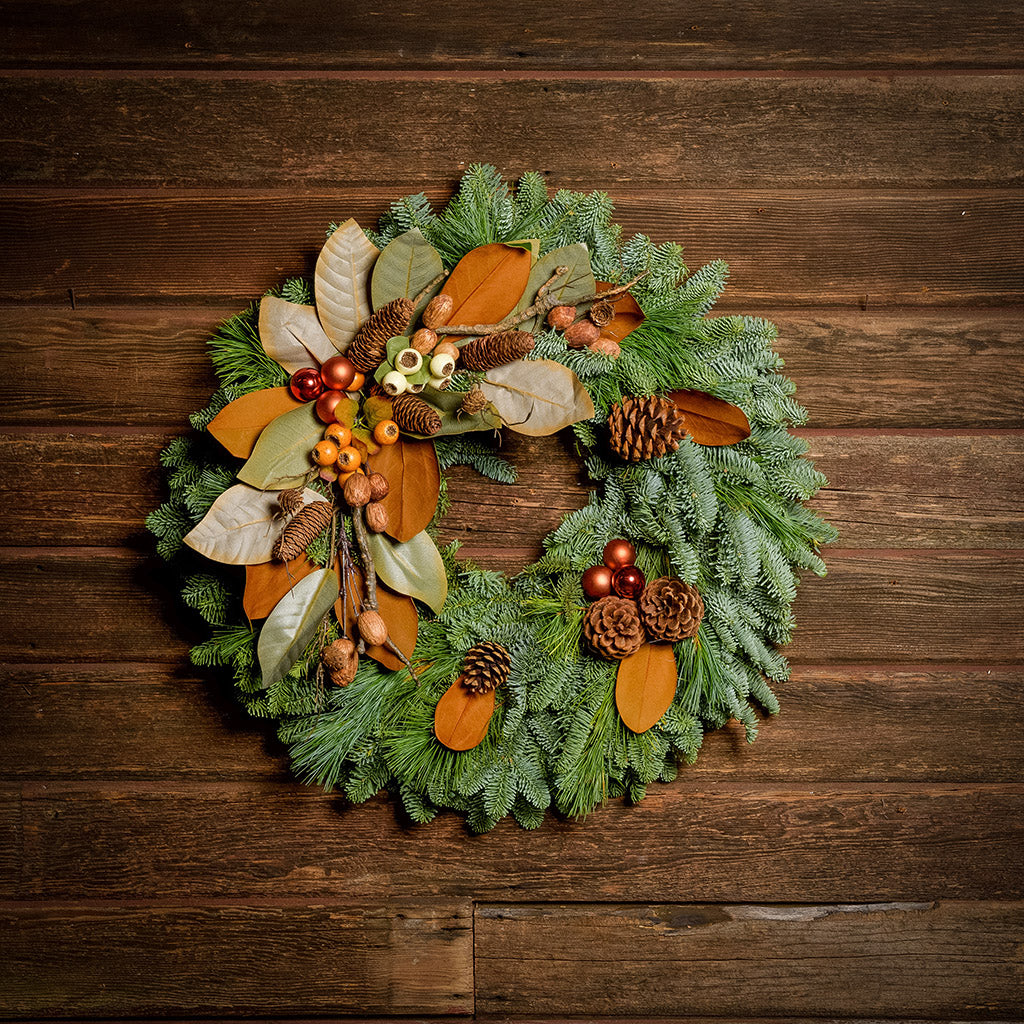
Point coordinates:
[(415, 34), (936, 131), (384, 958), (804, 247), (837, 725), (931, 959), (10, 837), (686, 841)]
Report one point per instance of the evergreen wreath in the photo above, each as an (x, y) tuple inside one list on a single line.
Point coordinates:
[(303, 508)]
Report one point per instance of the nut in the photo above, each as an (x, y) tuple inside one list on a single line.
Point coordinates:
[(561, 317), (372, 628), (607, 347), (447, 348), (582, 334), (341, 660), (357, 491), (408, 361), (437, 311), (424, 340), (379, 486), (376, 516)]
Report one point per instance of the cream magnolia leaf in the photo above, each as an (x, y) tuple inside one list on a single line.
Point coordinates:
[(281, 456), (413, 567), (572, 286), (537, 396), (242, 526), (342, 283), (406, 265), (293, 623), (292, 335)]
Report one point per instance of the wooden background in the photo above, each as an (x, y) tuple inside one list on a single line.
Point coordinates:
[(859, 165)]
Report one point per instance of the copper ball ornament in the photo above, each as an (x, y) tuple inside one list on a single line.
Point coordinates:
[(326, 405), (597, 582), (618, 553), (306, 384), (337, 373), (628, 581)]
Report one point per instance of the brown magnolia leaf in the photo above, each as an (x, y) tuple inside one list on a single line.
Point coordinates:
[(628, 315), (412, 473), (461, 718), (487, 283), (238, 425), (646, 686), (268, 582), (397, 611), (710, 420)]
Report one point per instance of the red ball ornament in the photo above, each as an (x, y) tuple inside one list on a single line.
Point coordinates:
[(618, 553), (337, 373), (306, 384), (628, 581), (327, 403), (597, 582)]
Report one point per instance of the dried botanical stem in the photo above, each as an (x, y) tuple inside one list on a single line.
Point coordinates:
[(546, 286), (359, 525), (423, 294)]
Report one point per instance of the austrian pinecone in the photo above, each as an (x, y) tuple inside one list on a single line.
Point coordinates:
[(671, 609), (414, 416), (644, 428), (602, 312), (309, 522), (613, 629), (496, 350), (485, 667), (369, 346)]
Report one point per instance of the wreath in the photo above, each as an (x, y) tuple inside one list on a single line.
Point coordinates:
[(303, 508)]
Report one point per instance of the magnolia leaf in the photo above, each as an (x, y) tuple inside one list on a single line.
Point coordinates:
[(537, 396), (569, 288), (342, 275), (411, 470), (709, 420), (398, 612), (240, 422), (281, 456), (646, 685), (413, 567), (268, 582), (453, 420), (241, 526), (293, 623), (292, 334), (487, 283), (462, 718), (406, 265)]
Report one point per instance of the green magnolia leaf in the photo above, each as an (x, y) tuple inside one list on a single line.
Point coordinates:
[(292, 334), (453, 421), (404, 268), (293, 623), (414, 567), (241, 526), (537, 396), (574, 285), (281, 456), (342, 278)]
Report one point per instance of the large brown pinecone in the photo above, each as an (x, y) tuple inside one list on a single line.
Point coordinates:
[(485, 667), (369, 346), (644, 428), (671, 609), (309, 522), (414, 416), (613, 629), (496, 350)]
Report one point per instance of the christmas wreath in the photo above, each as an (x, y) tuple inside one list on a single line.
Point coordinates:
[(303, 508)]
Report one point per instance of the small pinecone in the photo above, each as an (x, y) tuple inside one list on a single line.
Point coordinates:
[(613, 629), (671, 609), (496, 350), (291, 500), (474, 401), (369, 346), (485, 667), (644, 428), (414, 416), (602, 312), (341, 660), (308, 524)]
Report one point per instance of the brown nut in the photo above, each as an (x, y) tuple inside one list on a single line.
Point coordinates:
[(372, 628), (437, 311), (582, 334), (376, 516), (446, 348), (561, 317), (357, 490), (607, 347), (424, 340), (341, 660), (379, 486)]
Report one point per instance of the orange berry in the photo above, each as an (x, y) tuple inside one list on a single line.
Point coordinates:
[(386, 432), (325, 453), (344, 476), (339, 434), (357, 382), (348, 459)]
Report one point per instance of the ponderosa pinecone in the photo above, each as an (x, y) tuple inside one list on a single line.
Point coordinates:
[(613, 629), (671, 609), (602, 312), (369, 346), (496, 350), (309, 522), (644, 428), (414, 416), (485, 667)]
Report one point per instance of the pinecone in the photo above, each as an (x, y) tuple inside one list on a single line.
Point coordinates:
[(671, 609), (602, 312), (485, 667), (474, 402), (414, 416), (291, 500), (309, 522), (369, 346), (496, 350), (613, 629), (644, 428)]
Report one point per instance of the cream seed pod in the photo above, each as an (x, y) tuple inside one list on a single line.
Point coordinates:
[(439, 383), (408, 361), (442, 365), (394, 383), (414, 389)]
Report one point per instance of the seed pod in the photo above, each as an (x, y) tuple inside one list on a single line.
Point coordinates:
[(372, 628), (582, 334), (376, 516), (394, 383), (357, 491), (561, 317), (424, 340), (442, 365), (408, 361), (437, 311), (379, 486)]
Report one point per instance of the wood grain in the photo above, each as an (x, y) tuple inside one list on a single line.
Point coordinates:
[(933, 959), (386, 958), (804, 246), (934, 131)]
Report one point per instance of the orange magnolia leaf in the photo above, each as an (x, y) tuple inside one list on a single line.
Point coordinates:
[(710, 420), (628, 315), (414, 477), (646, 685), (268, 582), (487, 283), (461, 718), (240, 423), (397, 611)]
